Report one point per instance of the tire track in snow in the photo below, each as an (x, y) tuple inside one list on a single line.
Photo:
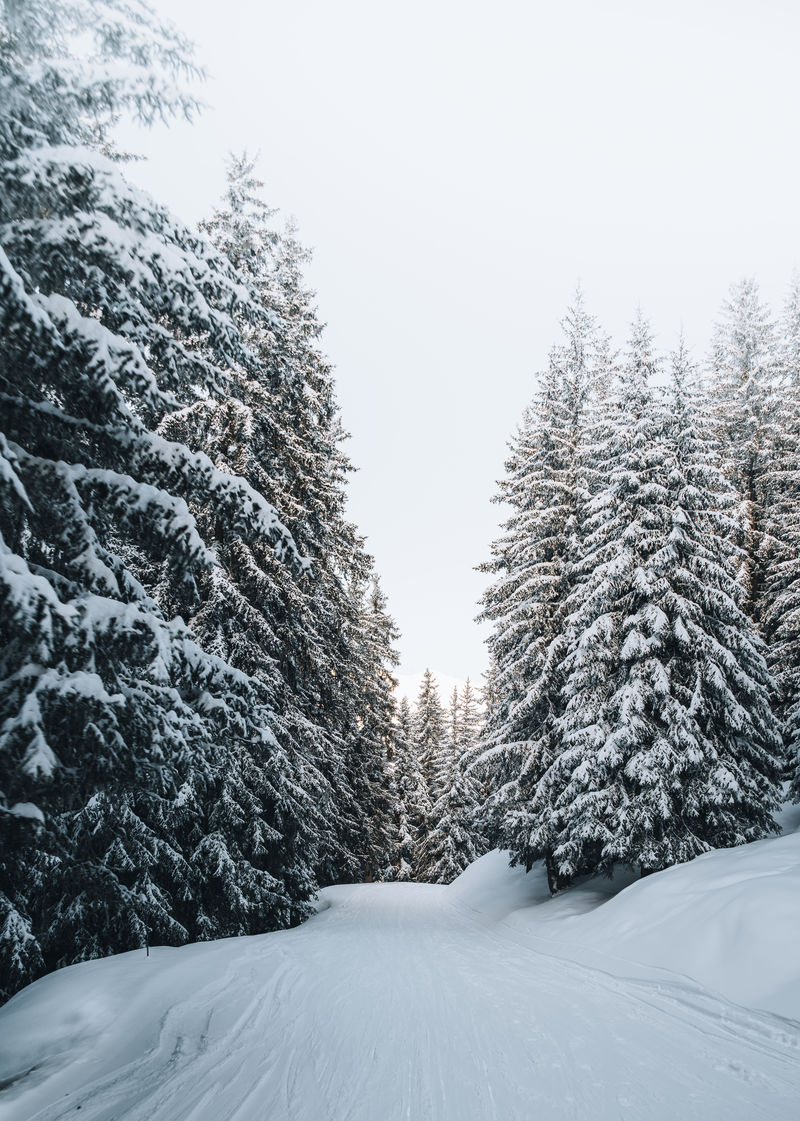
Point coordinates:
[(397, 1005)]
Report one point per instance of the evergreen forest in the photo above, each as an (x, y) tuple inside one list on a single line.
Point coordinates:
[(199, 723)]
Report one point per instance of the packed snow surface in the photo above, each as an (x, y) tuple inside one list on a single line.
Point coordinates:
[(484, 1001)]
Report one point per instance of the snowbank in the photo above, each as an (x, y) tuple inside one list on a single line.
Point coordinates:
[(729, 920), (55, 1023)]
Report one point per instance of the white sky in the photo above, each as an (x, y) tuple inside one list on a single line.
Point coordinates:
[(457, 167)]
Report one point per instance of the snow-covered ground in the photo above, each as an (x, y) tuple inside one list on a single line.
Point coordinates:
[(729, 920), (676, 997)]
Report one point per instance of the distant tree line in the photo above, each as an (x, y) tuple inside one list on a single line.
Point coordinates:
[(435, 796)]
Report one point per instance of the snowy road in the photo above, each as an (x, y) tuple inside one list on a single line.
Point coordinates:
[(398, 1003)]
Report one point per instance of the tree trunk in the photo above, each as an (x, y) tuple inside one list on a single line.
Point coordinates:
[(552, 874)]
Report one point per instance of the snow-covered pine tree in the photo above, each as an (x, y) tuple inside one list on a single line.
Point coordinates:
[(789, 344), (405, 720), (780, 615), (469, 722), (373, 744), (451, 843), (535, 561), (283, 435), (253, 612), (756, 393), (402, 851), (121, 738), (430, 733), (489, 691), (452, 726), (413, 800), (484, 771), (668, 745), (744, 381)]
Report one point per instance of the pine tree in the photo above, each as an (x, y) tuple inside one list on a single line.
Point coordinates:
[(780, 615), (429, 734), (535, 561), (451, 843), (145, 793), (668, 745), (272, 433), (489, 691), (411, 796), (374, 744), (311, 639), (745, 373), (452, 739), (469, 722), (757, 397)]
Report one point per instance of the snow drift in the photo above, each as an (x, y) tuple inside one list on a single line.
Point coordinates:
[(728, 919)]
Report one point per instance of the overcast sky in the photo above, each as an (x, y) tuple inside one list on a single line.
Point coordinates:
[(457, 167)]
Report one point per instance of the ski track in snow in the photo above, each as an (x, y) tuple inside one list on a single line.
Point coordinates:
[(398, 1004)]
